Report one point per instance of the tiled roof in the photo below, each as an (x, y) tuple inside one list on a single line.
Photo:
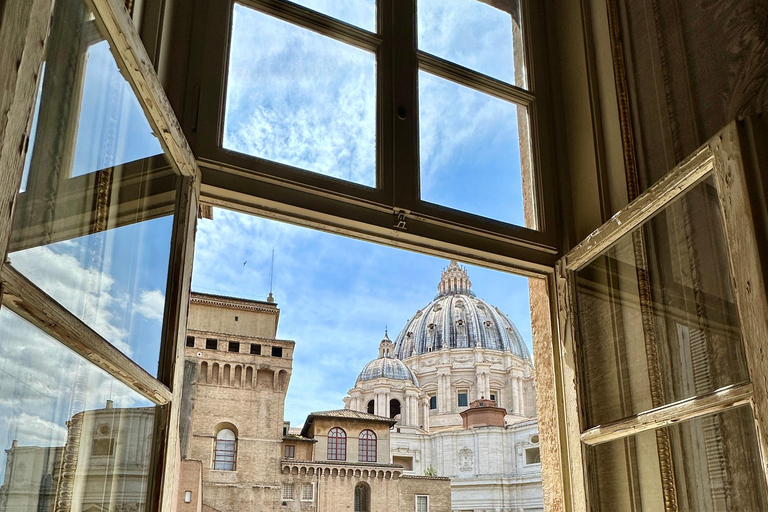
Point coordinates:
[(345, 414), (296, 437)]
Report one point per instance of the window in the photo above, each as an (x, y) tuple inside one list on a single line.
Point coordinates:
[(225, 451), (337, 444), (463, 399), (394, 408), (290, 451), (493, 396), (308, 492), (366, 451), (433, 402), (233, 346), (362, 498), (277, 351), (187, 496), (211, 344), (422, 503), (190, 341), (532, 455), (371, 407), (287, 492), (255, 349), (103, 447)]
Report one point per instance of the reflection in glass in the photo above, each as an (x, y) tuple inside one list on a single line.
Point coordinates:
[(713, 465), (483, 36), (657, 318), (92, 227), (73, 437), (470, 151), (302, 99), (361, 13)]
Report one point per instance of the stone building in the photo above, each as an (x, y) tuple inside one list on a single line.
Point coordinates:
[(107, 452), (238, 451), (455, 353)]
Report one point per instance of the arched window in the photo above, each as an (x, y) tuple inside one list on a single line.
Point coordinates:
[(394, 408), (337, 444), (371, 407), (226, 448), (362, 498), (366, 448)]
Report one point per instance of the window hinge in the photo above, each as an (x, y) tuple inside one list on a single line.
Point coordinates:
[(400, 219)]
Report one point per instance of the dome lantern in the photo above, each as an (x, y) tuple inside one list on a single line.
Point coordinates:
[(454, 280)]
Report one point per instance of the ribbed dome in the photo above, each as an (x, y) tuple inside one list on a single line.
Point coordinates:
[(387, 366), (456, 318)]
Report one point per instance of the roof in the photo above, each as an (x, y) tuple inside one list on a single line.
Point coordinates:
[(296, 437), (347, 414), (387, 367)]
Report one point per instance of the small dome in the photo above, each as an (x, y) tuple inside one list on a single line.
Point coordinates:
[(386, 366), (457, 318)]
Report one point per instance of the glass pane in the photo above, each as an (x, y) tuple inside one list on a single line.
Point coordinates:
[(361, 13), (68, 430), (657, 318), (92, 227), (708, 464), (473, 156), (477, 35), (299, 98)]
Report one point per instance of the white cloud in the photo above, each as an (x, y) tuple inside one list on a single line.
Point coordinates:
[(151, 304)]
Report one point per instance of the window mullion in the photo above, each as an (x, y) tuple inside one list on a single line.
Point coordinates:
[(405, 112)]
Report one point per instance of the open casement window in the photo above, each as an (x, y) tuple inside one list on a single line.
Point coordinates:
[(94, 288), (385, 114), (663, 317)]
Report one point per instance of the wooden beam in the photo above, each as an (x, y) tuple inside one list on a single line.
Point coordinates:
[(28, 301), (133, 61), (744, 255), (23, 30), (695, 407), (676, 182), (171, 369)]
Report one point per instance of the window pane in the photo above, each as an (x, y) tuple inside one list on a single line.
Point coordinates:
[(301, 99), (93, 227), (657, 318), (68, 430), (361, 13), (475, 35), (472, 154), (713, 464)]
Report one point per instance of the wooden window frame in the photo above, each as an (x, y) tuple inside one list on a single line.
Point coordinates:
[(394, 211), (367, 449), (721, 159), (339, 448)]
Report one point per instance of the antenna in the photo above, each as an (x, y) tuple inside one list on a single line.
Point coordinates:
[(270, 298)]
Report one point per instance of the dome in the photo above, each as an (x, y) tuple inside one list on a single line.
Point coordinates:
[(387, 366), (457, 318)]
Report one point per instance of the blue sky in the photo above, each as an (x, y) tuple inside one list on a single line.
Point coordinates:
[(302, 99), (336, 295)]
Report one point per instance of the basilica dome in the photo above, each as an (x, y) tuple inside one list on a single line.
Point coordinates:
[(387, 366), (457, 318)]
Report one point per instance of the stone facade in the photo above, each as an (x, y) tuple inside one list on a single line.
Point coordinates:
[(460, 351), (237, 379)]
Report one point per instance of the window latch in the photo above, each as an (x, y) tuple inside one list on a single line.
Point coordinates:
[(400, 219)]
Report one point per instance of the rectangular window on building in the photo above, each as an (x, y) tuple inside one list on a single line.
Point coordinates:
[(290, 451), (190, 341), (494, 396), (287, 492), (277, 351), (255, 349), (307, 492), (234, 346), (532, 456), (422, 503), (211, 344), (433, 402), (103, 447), (187, 496), (463, 398)]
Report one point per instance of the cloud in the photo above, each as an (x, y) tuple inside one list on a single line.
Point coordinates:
[(151, 304)]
